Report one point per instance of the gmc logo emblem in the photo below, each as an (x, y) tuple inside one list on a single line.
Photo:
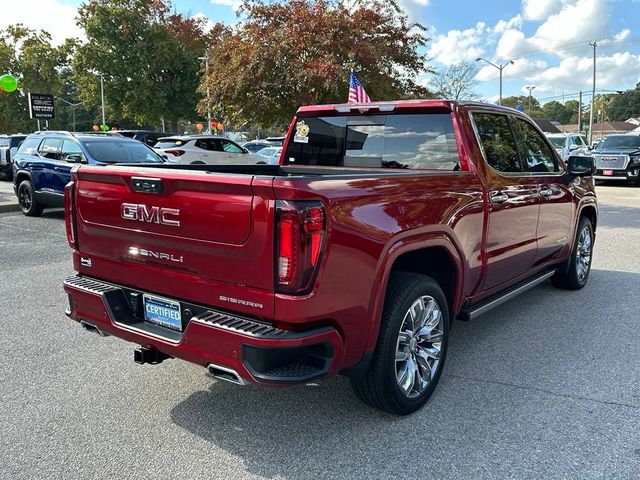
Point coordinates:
[(142, 213)]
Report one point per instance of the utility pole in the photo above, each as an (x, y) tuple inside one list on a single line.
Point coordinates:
[(580, 113), (594, 45)]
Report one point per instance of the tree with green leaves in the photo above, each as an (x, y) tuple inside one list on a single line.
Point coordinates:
[(38, 65), (624, 105), (556, 111), (297, 52), (147, 55)]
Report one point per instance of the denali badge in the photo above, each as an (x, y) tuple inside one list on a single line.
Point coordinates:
[(143, 252), (141, 213)]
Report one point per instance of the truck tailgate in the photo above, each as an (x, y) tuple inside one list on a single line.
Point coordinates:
[(203, 237)]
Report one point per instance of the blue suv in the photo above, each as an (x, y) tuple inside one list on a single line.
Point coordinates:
[(42, 165)]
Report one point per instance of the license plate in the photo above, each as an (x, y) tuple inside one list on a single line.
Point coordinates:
[(607, 172), (162, 311)]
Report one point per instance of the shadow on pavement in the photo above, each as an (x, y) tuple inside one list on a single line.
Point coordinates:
[(530, 372), (56, 213)]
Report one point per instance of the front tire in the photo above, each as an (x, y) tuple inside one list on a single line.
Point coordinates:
[(575, 275), (411, 348), (28, 201)]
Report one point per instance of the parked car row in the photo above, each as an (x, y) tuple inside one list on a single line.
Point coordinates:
[(617, 157), (42, 164)]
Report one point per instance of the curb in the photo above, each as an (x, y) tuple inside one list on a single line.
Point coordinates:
[(9, 207)]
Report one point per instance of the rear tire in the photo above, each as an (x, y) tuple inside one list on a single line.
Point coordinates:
[(411, 349), (574, 276), (28, 201)]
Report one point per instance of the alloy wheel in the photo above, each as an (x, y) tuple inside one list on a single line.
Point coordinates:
[(24, 196), (583, 254), (419, 346)]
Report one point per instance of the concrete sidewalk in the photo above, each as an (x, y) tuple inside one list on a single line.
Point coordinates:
[(8, 201)]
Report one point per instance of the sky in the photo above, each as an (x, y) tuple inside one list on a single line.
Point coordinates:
[(548, 40)]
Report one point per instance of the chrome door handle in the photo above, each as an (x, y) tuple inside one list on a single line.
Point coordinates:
[(499, 197), (545, 192)]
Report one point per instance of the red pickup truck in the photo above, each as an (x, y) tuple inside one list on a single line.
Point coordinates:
[(382, 223)]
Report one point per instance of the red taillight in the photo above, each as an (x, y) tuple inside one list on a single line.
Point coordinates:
[(301, 229), (69, 213), (176, 152)]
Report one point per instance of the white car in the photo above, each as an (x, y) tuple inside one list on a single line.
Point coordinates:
[(270, 155), (204, 149), (568, 144)]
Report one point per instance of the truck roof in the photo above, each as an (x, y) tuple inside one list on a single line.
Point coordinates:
[(391, 105)]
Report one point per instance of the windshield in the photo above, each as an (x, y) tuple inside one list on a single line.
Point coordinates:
[(170, 143), (620, 142), (557, 142), (121, 151), (269, 151)]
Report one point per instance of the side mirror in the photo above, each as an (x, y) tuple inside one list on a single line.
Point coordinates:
[(581, 166), (245, 150), (75, 158), (573, 147)]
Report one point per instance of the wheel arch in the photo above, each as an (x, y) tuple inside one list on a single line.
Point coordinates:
[(591, 213), (436, 257), (22, 175)]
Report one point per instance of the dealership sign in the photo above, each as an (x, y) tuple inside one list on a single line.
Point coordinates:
[(41, 105)]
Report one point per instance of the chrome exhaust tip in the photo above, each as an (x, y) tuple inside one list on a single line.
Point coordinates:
[(225, 373), (92, 328)]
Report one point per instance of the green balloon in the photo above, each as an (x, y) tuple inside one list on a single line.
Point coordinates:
[(8, 83)]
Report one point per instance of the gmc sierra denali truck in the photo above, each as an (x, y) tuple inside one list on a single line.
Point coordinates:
[(382, 223)]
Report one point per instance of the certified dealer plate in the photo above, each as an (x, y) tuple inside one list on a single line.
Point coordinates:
[(162, 311)]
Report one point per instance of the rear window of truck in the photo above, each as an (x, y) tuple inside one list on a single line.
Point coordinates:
[(411, 141)]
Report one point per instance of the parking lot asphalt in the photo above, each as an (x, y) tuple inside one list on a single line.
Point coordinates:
[(545, 386)]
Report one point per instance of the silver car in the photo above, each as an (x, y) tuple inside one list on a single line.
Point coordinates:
[(568, 144)]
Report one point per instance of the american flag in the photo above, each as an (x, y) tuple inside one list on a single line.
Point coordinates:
[(356, 91)]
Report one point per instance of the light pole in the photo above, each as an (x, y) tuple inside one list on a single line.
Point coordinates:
[(206, 76), (500, 68), (73, 109), (104, 121), (530, 88)]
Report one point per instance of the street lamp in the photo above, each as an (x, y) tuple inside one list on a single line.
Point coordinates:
[(73, 109), (206, 76), (104, 121), (530, 88), (499, 67)]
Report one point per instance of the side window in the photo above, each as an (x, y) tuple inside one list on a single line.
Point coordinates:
[(29, 146), (230, 147), (209, 144), (50, 148), (535, 151), (497, 142), (71, 148)]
